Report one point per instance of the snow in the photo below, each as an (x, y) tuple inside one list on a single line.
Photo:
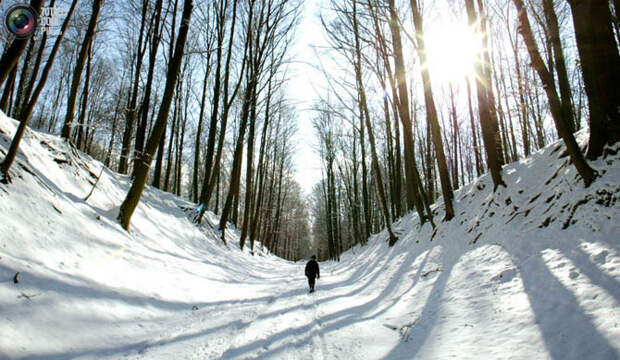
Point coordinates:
[(502, 280)]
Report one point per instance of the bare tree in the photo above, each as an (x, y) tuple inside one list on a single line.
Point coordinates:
[(561, 119), (490, 134)]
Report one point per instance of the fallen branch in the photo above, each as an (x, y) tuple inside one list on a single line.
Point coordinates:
[(430, 272), (96, 182), (26, 296), (476, 238)]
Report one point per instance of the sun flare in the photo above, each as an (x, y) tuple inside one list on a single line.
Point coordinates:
[(451, 50)]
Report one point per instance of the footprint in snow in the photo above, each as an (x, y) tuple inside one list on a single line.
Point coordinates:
[(506, 275), (573, 274), (601, 258)]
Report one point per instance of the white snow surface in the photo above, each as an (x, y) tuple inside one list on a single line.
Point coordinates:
[(502, 280)]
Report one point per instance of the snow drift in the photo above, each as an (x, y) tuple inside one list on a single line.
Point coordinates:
[(530, 271)]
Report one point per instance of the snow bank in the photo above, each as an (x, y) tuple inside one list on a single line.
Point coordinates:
[(532, 271), (85, 283)]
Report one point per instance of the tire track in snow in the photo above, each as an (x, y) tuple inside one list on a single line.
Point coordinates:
[(208, 331), (268, 333), (287, 327), (242, 333), (318, 341)]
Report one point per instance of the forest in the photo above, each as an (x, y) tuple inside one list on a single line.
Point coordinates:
[(170, 169), (405, 130), (418, 99)]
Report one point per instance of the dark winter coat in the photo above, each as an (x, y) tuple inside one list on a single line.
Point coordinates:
[(312, 269)]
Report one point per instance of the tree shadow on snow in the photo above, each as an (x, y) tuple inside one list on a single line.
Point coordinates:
[(420, 331), (581, 260), (141, 347), (568, 332), (333, 321), (75, 287)]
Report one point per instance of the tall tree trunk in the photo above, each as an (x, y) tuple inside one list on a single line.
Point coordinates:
[(560, 63), (108, 156), (278, 206), (267, 225), (199, 132), (261, 175), (365, 191), (159, 162), (135, 192), (428, 161), (179, 161), (365, 116), (77, 72), (264, 188), (218, 180), (37, 65), (489, 134), (82, 118), (394, 196), (235, 175), (431, 114), (9, 88), (414, 197), (155, 39), (132, 110), (397, 165), (455, 137), (173, 136), (52, 122), (538, 117), (334, 213), (486, 70), (249, 174), (477, 156), (21, 87), (513, 140), (600, 65), (522, 103), (503, 123)]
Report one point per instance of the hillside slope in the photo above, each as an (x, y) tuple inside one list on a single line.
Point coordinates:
[(502, 280)]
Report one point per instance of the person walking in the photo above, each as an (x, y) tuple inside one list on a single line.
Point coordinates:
[(312, 271)]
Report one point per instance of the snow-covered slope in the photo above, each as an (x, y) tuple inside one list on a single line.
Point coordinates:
[(502, 280)]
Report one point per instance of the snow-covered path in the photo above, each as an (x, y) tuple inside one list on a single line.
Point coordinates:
[(433, 305), (503, 280)]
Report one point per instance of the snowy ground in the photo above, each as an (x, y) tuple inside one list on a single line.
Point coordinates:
[(502, 280)]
